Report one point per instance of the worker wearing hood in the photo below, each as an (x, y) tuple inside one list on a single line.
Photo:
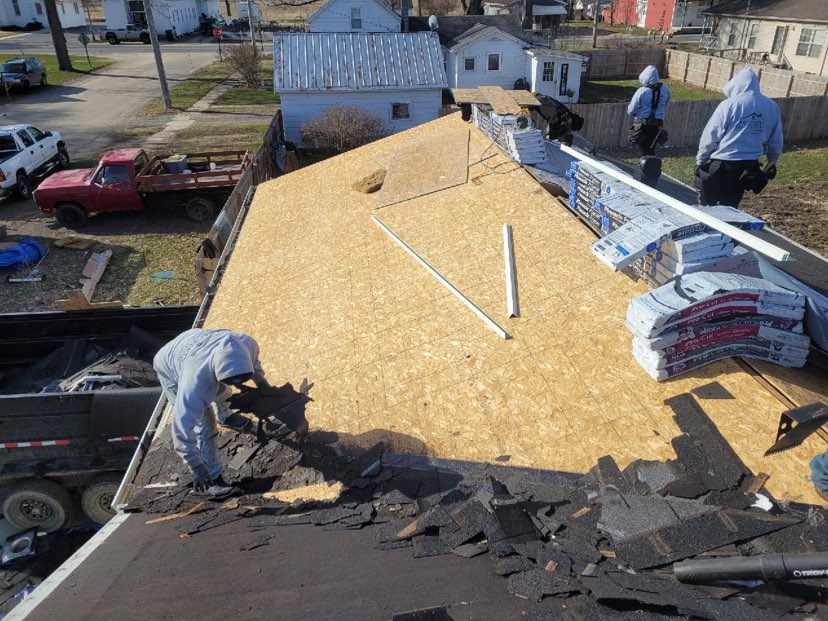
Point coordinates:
[(195, 369), (647, 108), (743, 128)]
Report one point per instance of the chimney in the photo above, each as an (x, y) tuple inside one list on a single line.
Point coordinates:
[(405, 9)]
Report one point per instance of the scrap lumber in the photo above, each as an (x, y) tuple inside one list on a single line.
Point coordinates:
[(93, 272), (442, 280), (74, 299), (512, 303)]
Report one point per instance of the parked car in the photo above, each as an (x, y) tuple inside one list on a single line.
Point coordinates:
[(26, 151), (130, 33), (128, 180), (23, 73)]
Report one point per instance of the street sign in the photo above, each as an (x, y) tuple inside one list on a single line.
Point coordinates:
[(84, 40), (217, 33)]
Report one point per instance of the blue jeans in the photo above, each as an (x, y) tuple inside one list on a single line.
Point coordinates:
[(819, 472), (206, 432)]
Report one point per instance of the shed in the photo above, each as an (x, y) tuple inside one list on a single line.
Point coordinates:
[(19, 13), (555, 73), (357, 16), (398, 76)]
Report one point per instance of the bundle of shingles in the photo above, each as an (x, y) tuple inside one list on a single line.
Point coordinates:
[(707, 316), (526, 145), (591, 547)]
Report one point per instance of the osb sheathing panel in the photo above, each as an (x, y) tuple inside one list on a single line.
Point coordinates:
[(392, 354)]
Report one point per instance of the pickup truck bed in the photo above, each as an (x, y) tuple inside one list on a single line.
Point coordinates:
[(209, 170)]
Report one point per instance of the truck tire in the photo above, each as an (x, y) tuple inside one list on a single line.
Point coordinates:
[(71, 215), (23, 187), (97, 498), (40, 504), (63, 158), (145, 39), (200, 209), (112, 39)]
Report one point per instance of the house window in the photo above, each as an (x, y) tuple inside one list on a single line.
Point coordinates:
[(810, 42), (400, 111), (548, 71), (468, 63), (356, 19), (494, 62), (778, 37), (16, 6), (38, 8), (754, 32), (731, 37)]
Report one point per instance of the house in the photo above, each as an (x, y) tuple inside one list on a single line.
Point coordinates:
[(398, 76), (180, 16), (22, 12), (548, 13), (673, 15), (503, 7), (493, 50), (359, 16), (790, 33)]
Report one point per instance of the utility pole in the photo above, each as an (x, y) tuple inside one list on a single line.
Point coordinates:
[(250, 8), (58, 40), (156, 50), (595, 25)]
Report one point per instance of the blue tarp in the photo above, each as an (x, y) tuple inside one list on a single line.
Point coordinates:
[(21, 255)]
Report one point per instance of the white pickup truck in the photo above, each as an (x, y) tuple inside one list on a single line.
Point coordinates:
[(26, 151), (130, 33)]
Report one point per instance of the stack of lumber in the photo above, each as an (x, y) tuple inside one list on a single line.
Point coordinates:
[(707, 316)]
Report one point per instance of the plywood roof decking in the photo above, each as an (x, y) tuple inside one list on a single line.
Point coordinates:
[(475, 95), (330, 297)]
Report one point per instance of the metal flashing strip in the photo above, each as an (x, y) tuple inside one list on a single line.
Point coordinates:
[(512, 303), (443, 281), (759, 245), (45, 588)]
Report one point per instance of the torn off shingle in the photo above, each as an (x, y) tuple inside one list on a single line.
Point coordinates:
[(429, 545), (434, 518), (470, 550), (512, 565), (535, 584)]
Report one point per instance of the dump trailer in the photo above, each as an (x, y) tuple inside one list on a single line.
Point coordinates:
[(65, 452)]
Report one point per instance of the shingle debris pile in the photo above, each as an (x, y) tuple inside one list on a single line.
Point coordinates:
[(703, 317), (593, 546)]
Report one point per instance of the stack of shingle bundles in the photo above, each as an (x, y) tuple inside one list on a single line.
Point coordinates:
[(493, 125), (707, 316), (586, 186), (527, 146)]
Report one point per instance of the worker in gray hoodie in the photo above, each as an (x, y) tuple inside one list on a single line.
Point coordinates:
[(743, 128), (647, 108), (195, 369)]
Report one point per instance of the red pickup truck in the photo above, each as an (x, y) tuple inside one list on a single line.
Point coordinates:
[(128, 180)]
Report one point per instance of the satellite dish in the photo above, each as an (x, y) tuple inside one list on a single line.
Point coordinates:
[(432, 22)]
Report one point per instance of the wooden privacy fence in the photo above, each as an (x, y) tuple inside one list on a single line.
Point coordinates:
[(622, 62), (713, 73), (261, 169), (803, 118)]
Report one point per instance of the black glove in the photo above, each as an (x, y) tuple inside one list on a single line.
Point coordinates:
[(770, 171), (697, 170), (201, 478)]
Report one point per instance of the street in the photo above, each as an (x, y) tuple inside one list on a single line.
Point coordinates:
[(89, 110)]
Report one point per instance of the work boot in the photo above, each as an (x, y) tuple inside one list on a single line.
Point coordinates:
[(238, 422), (219, 488)]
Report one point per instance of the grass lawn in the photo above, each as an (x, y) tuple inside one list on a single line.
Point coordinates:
[(225, 136), (241, 95), (8, 33), (184, 94), (615, 91), (799, 163)]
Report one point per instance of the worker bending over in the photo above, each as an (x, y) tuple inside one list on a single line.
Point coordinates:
[(647, 108), (743, 127), (195, 369)]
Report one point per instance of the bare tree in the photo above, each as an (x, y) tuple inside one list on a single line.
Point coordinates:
[(58, 40), (527, 15), (246, 59), (342, 128), (437, 7)]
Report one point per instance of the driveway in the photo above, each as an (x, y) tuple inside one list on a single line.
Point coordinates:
[(89, 111)]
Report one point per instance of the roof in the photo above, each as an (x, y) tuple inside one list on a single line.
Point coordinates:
[(483, 96), (454, 27), (118, 155), (787, 10), (12, 128), (481, 32), (328, 61), (550, 53), (330, 3)]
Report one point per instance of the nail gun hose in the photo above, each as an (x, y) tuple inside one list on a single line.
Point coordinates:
[(769, 567)]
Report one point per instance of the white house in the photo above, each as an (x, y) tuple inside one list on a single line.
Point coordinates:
[(493, 50), (22, 12), (180, 16), (398, 76), (357, 16)]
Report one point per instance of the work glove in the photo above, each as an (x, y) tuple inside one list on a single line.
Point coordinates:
[(697, 170), (770, 171), (201, 478)]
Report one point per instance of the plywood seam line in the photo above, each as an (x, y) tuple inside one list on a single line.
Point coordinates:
[(759, 245), (512, 302), (443, 281), (766, 384)]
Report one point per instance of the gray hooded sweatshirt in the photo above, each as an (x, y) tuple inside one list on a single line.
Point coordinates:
[(744, 126), (196, 362), (641, 105)]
